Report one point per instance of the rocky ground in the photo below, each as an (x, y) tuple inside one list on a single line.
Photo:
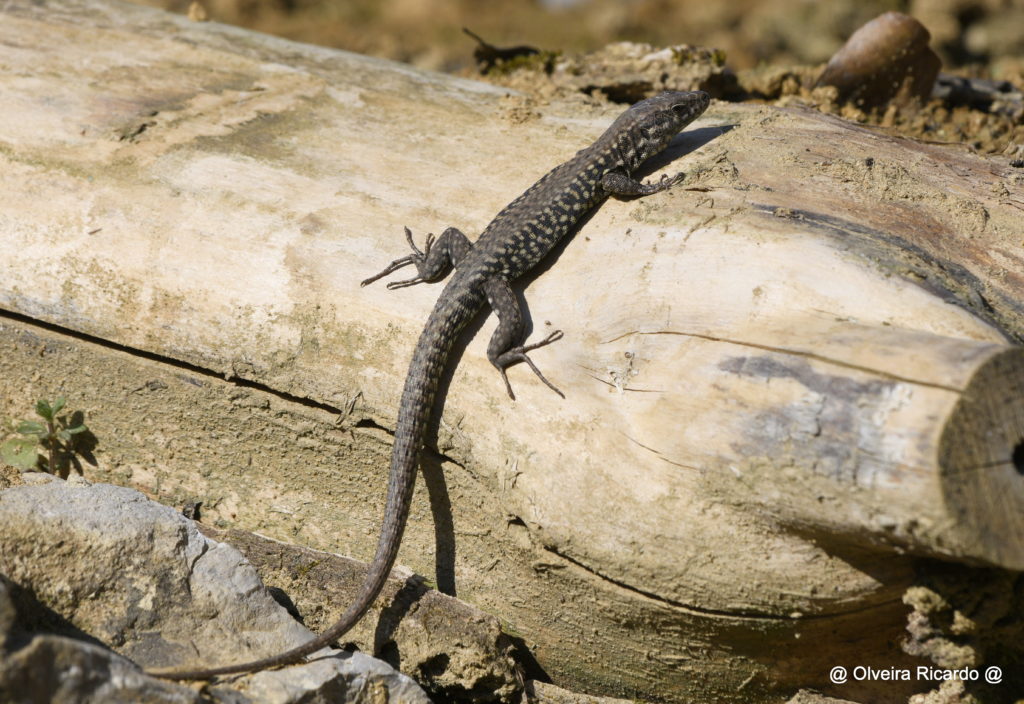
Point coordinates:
[(774, 50)]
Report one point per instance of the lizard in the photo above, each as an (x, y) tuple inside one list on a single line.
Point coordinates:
[(518, 238)]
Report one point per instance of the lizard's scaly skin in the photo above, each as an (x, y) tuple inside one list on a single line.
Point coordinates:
[(518, 238)]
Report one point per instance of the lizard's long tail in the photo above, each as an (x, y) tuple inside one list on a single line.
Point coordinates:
[(446, 321)]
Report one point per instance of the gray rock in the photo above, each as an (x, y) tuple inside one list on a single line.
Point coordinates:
[(105, 564), (455, 651), (57, 669)]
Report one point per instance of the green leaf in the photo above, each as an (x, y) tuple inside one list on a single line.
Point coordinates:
[(31, 427), (80, 428), (64, 436), (20, 452), (57, 405), (44, 410)]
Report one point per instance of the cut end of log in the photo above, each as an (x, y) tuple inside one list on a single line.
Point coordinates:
[(981, 459)]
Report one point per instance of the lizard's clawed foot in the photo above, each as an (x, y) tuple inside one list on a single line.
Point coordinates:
[(518, 354), (417, 257), (669, 181)]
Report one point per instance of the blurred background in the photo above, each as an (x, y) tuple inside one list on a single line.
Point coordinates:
[(772, 51), (981, 36)]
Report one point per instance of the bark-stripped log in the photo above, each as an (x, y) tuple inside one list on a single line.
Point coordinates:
[(875, 434)]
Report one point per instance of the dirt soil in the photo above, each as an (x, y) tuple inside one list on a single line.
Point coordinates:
[(773, 51)]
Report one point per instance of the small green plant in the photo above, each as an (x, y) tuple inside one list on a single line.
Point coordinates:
[(47, 445)]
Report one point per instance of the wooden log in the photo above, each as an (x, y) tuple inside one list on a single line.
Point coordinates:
[(777, 385), (859, 433)]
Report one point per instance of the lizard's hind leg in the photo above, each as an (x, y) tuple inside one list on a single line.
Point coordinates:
[(433, 263), (505, 348)]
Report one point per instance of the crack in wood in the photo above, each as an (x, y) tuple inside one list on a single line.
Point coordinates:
[(795, 353)]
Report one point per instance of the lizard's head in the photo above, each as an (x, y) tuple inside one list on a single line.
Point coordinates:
[(655, 121)]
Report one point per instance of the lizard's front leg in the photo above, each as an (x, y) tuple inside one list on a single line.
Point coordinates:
[(433, 263), (503, 350), (619, 183)]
